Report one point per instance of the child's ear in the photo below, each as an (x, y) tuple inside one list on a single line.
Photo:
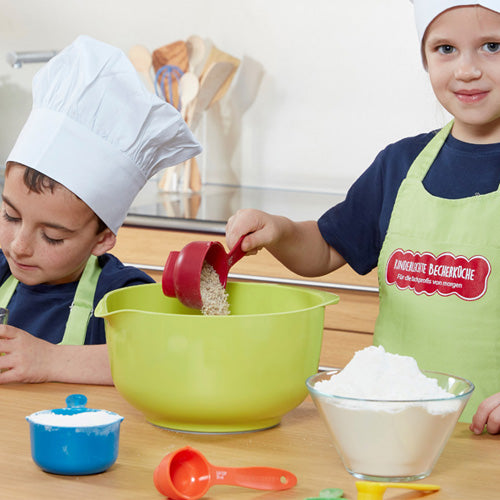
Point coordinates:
[(105, 242)]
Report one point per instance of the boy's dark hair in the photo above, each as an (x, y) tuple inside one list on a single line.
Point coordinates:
[(37, 182)]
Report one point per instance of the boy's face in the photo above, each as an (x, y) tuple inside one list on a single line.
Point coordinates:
[(47, 237), (462, 52)]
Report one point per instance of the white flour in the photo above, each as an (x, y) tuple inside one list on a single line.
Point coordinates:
[(374, 373), (381, 439), (81, 419)]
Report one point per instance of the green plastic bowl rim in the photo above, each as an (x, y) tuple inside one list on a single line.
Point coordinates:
[(327, 297)]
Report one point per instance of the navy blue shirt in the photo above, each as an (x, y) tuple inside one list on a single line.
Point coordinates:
[(356, 227), (43, 310)]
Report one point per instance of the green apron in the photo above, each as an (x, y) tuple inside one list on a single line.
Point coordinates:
[(81, 309), (439, 285)]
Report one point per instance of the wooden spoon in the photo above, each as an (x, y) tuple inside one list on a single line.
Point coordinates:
[(213, 79), (142, 60), (188, 86), (196, 52), (216, 55), (195, 183)]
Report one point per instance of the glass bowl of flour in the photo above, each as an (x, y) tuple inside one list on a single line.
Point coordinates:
[(389, 421)]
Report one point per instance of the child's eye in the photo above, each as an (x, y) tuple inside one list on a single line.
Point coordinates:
[(52, 241), (491, 47), (446, 49), (9, 218)]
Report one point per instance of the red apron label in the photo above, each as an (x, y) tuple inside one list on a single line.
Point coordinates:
[(445, 274)]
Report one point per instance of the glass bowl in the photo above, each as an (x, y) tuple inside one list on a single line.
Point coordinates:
[(393, 441)]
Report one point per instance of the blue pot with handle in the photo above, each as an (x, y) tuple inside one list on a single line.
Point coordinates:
[(74, 440)]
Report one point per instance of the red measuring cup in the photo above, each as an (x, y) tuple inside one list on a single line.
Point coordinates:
[(182, 273), (186, 474)]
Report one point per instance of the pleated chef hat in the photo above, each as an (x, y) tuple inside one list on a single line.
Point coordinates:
[(97, 130), (427, 10)]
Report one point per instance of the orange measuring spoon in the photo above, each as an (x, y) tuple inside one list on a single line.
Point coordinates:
[(186, 474), (182, 273)]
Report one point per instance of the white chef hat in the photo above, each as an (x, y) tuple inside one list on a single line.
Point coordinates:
[(427, 10), (97, 130)]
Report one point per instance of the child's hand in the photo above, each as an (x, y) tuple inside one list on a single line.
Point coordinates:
[(488, 414), (26, 358), (262, 229), (297, 245)]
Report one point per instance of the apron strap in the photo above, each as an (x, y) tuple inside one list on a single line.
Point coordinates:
[(81, 309), (7, 290), (83, 304), (424, 160)]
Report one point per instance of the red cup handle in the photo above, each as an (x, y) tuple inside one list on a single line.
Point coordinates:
[(236, 253)]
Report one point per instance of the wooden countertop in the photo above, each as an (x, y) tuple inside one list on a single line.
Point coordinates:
[(467, 469)]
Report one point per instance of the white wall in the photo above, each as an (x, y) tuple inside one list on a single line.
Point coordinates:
[(341, 79)]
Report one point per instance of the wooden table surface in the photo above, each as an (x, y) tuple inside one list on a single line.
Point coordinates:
[(468, 468)]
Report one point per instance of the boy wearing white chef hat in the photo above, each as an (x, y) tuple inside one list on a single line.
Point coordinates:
[(426, 215), (94, 137)]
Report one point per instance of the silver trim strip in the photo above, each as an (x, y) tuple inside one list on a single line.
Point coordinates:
[(283, 281)]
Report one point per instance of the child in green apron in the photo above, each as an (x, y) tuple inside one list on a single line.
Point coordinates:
[(426, 214), (94, 137)]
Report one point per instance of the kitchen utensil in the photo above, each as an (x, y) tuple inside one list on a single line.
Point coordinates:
[(211, 82), (189, 86), (196, 53), (214, 374), (369, 490), (391, 441), (173, 54), (195, 183), (74, 440), (182, 273), (169, 180), (192, 178), (185, 474), (165, 78), (186, 175), (188, 89), (142, 61), (215, 79), (216, 56)]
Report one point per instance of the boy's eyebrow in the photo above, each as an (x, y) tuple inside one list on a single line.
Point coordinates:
[(438, 40), (441, 40), (52, 225)]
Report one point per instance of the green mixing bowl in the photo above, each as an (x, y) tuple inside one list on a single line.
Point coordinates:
[(190, 372)]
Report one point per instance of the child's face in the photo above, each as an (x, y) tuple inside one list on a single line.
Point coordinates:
[(47, 237), (462, 51)]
